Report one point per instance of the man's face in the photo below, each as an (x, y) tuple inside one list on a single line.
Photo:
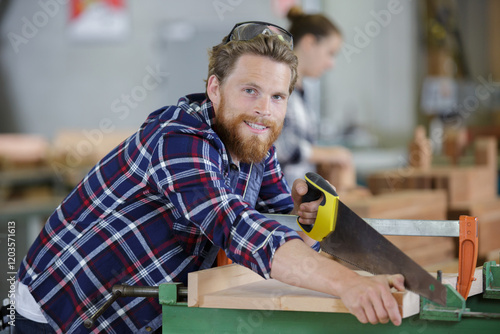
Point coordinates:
[(250, 106)]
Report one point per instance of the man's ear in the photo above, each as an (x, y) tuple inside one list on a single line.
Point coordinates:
[(213, 91)]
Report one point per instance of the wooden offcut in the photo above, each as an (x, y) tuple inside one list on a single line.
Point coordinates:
[(420, 149)]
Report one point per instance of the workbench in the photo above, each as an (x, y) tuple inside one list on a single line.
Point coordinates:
[(246, 303), (234, 299), (182, 319)]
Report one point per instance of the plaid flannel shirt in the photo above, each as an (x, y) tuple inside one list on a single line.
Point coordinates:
[(149, 213)]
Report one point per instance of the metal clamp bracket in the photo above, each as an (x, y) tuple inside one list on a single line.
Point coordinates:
[(491, 280), (169, 293), (453, 311), (455, 307)]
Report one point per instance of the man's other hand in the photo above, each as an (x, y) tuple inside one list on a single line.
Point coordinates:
[(370, 298)]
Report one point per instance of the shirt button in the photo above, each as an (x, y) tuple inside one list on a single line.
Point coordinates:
[(148, 329)]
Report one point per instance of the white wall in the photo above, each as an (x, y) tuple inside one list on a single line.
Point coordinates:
[(52, 83), (374, 82), (55, 83)]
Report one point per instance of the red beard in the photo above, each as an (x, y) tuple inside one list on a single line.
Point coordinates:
[(246, 148)]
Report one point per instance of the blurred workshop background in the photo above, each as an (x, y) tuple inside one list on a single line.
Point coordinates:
[(415, 96)]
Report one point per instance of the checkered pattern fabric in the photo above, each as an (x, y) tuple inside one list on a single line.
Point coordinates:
[(148, 213)]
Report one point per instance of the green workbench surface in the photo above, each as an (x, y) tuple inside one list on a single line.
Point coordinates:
[(182, 319)]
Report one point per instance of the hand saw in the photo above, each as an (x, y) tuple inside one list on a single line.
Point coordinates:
[(345, 235)]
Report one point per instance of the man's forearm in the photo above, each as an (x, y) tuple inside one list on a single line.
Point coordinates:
[(296, 264), (368, 298)]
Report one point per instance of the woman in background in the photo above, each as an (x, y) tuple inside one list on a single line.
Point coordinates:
[(317, 41)]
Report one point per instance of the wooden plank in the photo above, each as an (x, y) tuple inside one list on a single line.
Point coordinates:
[(236, 287), (207, 281), (477, 284), (408, 303), (269, 294)]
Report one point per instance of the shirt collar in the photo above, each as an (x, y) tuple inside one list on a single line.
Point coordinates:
[(199, 103)]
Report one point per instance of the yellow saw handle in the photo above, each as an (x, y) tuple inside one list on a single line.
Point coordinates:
[(326, 218)]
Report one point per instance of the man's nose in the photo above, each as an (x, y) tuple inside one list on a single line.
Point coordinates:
[(263, 106)]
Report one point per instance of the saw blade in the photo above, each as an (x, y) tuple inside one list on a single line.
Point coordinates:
[(359, 244)]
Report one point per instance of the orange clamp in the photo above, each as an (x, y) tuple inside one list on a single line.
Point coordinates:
[(467, 256)]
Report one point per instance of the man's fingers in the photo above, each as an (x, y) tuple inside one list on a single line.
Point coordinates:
[(375, 311), (300, 187), (370, 299), (306, 221), (359, 313), (308, 211), (392, 308), (380, 310), (396, 281), (390, 304), (371, 314), (375, 305)]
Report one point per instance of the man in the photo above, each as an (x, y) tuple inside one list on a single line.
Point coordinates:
[(190, 181)]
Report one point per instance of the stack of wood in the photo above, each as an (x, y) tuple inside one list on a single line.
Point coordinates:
[(410, 204), (470, 190), (74, 152), (27, 184), (22, 151), (35, 175), (484, 205)]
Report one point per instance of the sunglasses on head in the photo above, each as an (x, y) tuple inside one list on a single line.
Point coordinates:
[(245, 31)]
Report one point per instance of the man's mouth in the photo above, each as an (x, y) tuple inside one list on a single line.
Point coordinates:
[(256, 126)]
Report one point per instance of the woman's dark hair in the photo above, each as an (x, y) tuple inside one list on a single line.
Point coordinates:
[(315, 24)]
